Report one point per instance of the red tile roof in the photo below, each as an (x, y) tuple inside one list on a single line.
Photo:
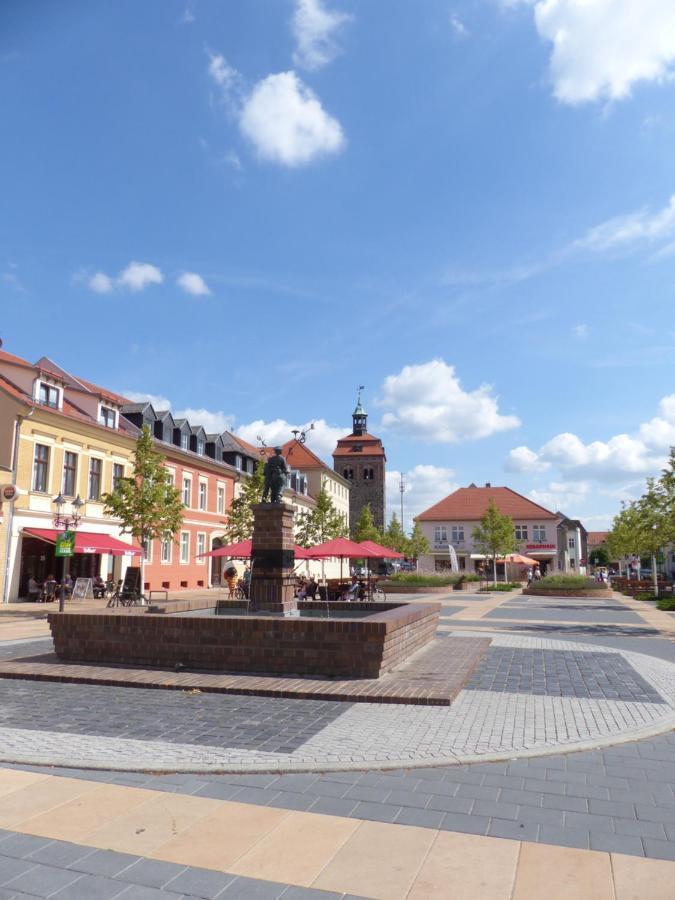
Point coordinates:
[(10, 358), (118, 399), (471, 503), (359, 445), (595, 538)]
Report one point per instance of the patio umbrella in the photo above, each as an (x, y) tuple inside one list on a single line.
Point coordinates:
[(244, 550), (382, 552), (518, 559), (342, 548)]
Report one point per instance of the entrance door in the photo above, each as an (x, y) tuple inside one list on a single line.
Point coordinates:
[(216, 563)]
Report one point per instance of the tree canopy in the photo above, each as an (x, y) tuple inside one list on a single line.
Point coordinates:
[(323, 523), (240, 514), (495, 536), (364, 529)]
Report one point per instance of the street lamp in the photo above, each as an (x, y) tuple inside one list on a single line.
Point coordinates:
[(69, 522)]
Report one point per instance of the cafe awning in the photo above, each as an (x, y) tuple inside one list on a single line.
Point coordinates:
[(87, 541)]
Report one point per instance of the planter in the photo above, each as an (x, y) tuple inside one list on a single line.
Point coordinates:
[(584, 593)]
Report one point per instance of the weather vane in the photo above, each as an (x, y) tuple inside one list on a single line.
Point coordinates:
[(263, 445), (302, 434)]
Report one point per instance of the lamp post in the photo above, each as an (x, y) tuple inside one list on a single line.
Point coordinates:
[(69, 522)]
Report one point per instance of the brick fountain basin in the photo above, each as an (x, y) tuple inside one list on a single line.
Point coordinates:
[(363, 640)]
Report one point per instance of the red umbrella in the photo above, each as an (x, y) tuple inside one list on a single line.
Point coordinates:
[(342, 548), (381, 551), (244, 550)]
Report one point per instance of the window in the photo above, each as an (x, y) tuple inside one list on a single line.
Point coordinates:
[(185, 441), (457, 533), (348, 474), (571, 543), (521, 532), (571, 564), (69, 474), (440, 534), (249, 466), (107, 417), (368, 473), (118, 475), (200, 446), (165, 551), (48, 395), (147, 547), (187, 491), (95, 467), (41, 468), (202, 494), (171, 479), (201, 546), (220, 499), (237, 461), (539, 533), (185, 546)]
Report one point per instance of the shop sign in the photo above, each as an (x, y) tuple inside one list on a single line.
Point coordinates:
[(541, 547), (65, 544), (8, 492)]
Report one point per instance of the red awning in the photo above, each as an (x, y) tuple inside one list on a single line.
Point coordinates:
[(87, 541)]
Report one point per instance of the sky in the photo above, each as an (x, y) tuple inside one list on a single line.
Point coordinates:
[(246, 209)]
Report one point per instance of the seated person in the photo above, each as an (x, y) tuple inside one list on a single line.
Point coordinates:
[(98, 587), (33, 590), (49, 589), (311, 588), (352, 592), (68, 584)]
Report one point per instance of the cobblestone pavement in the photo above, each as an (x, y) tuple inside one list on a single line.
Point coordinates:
[(529, 695), (38, 867)]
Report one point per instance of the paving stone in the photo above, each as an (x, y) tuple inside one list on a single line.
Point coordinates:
[(61, 853), (252, 889), (330, 789), (200, 883), (564, 837), (105, 862), (11, 868), (91, 887), (639, 828), (21, 845), (588, 791), (425, 818), (477, 792), (302, 893), (408, 798), (569, 804), (300, 802), (616, 843), (544, 787), (376, 812), (333, 806), (659, 849), (567, 777), (522, 798), (142, 892), (216, 791), (588, 822), (611, 808), (465, 824), (651, 813), (365, 793), (43, 881), (541, 816), (498, 810), (151, 872), (509, 782), (451, 804), (520, 831)]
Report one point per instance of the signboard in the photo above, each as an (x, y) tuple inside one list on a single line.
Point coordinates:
[(8, 492), (65, 544), (132, 580), (82, 589), (541, 547)]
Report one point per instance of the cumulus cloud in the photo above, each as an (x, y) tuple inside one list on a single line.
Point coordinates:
[(428, 402), (137, 276), (192, 283), (101, 283), (622, 455), (602, 48), (315, 29), (320, 440), (642, 226), (157, 400), (213, 422), (225, 76), (285, 122), (425, 485)]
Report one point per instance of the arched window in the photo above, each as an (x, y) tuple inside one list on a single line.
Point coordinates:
[(348, 474), (368, 473)]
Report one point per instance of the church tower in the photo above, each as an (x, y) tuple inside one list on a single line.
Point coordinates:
[(359, 457)]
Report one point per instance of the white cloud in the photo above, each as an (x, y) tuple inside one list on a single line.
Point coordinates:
[(635, 227), (581, 331), (213, 422), (224, 75), (286, 123), (427, 402), (314, 30), (565, 496), (458, 27), (602, 48), (622, 455), (320, 440), (192, 283), (158, 402), (137, 276), (425, 485), (101, 283)]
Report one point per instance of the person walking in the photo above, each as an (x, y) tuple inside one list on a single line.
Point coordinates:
[(231, 579)]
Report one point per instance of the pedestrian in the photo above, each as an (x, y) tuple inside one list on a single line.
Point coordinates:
[(537, 573), (231, 579), (529, 575)]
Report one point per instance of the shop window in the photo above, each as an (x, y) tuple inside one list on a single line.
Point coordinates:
[(95, 469), (69, 474), (41, 468)]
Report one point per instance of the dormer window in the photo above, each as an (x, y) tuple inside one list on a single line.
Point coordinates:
[(249, 466), (107, 417), (184, 441), (200, 446), (48, 395)]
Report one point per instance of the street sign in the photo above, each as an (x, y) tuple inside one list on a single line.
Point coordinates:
[(65, 544)]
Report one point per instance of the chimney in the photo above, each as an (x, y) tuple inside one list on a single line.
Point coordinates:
[(487, 484)]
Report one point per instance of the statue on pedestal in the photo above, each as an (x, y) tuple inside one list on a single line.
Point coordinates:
[(276, 477)]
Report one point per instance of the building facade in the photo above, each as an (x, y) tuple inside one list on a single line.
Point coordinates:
[(360, 459), (572, 546), (451, 522)]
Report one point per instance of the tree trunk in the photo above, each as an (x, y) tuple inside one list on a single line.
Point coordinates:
[(494, 568), (144, 544), (655, 577)]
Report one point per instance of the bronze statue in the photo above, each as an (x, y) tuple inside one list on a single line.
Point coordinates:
[(276, 477)]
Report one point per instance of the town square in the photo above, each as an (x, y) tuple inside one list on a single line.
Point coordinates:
[(337, 450)]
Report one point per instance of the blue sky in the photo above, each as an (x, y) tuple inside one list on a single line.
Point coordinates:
[(251, 207)]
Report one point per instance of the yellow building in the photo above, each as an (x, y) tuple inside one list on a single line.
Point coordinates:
[(58, 435)]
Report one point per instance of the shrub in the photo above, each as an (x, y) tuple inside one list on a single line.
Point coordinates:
[(667, 604), (414, 580), (645, 596), (501, 586), (569, 582)]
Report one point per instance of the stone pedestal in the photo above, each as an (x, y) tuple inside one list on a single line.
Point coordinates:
[(273, 560)]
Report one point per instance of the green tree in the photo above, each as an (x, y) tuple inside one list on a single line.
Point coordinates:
[(418, 545), (652, 530), (323, 523), (395, 537), (495, 536), (365, 529), (622, 540), (240, 514), (599, 556), (146, 503), (667, 488)]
